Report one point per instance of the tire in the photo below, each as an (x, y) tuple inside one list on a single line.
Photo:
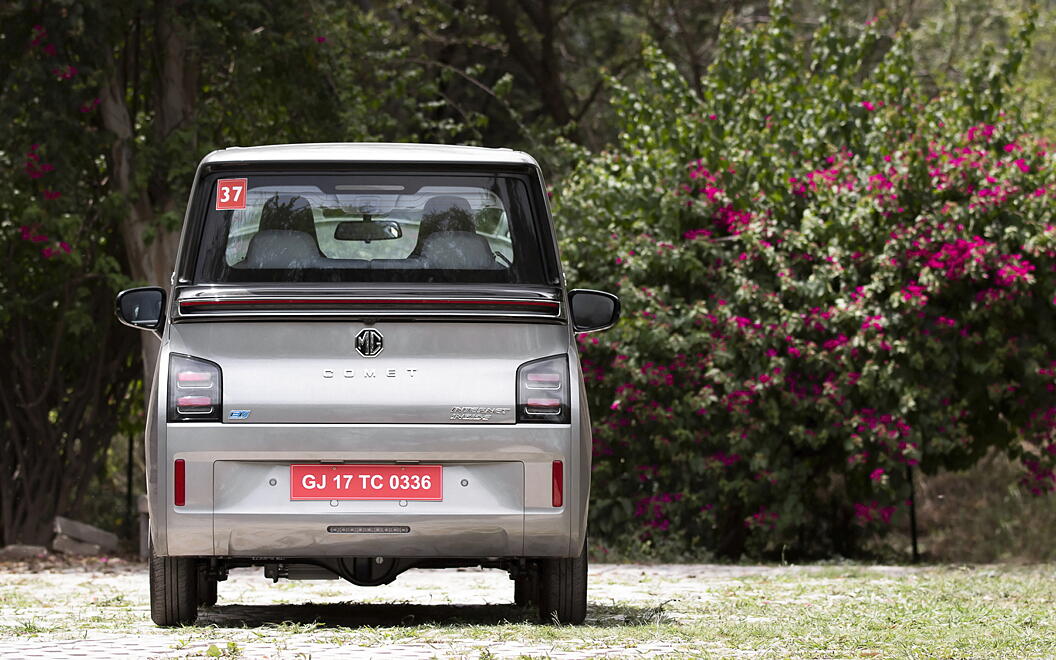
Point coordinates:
[(526, 590), (173, 590), (206, 589), (563, 589)]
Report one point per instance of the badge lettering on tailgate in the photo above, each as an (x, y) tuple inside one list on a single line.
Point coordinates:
[(477, 413)]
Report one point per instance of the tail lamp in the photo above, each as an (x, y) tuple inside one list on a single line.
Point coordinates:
[(194, 390), (543, 391)]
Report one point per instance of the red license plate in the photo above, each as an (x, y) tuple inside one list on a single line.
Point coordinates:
[(366, 482)]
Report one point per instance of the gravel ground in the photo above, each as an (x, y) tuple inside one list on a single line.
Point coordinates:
[(100, 610), (301, 619)]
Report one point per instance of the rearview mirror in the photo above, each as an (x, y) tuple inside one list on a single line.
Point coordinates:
[(593, 310), (368, 230), (141, 308)]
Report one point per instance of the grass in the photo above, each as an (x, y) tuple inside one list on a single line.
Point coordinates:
[(841, 611)]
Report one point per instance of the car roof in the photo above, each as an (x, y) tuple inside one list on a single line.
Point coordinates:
[(370, 152)]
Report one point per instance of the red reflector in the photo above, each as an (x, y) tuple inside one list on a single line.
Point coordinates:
[(559, 483), (179, 483), (193, 401)]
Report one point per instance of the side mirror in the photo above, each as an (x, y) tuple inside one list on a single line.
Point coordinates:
[(593, 310), (141, 308)]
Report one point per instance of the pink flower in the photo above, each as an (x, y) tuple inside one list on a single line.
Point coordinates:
[(877, 474), (29, 234), (915, 291), (52, 194), (863, 512), (66, 72), (872, 322), (1015, 268), (725, 459), (320, 40), (65, 246), (762, 518), (833, 344)]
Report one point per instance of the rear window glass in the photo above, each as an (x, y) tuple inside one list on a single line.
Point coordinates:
[(351, 227)]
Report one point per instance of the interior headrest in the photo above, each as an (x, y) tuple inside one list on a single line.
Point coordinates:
[(447, 213), (444, 213), (287, 213), (442, 203), (282, 248)]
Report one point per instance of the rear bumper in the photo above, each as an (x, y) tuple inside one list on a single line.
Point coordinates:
[(497, 492)]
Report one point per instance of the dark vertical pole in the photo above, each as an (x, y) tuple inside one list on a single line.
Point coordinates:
[(912, 513), (130, 518)]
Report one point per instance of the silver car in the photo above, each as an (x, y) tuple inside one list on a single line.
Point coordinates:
[(367, 364)]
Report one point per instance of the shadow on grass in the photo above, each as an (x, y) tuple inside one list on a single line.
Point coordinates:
[(357, 615)]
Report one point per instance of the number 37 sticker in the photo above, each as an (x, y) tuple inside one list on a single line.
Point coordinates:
[(230, 194)]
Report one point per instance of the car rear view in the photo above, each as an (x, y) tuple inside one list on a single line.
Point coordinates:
[(367, 364)]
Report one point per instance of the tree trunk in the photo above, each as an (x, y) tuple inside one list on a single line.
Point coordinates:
[(151, 242), (541, 64), (58, 415)]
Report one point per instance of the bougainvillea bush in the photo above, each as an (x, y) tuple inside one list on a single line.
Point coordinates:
[(831, 277)]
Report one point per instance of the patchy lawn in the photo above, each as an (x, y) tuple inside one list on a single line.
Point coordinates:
[(100, 609)]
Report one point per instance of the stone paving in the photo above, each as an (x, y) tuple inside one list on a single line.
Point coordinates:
[(101, 611)]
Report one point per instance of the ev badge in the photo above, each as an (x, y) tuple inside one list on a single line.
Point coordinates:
[(368, 342)]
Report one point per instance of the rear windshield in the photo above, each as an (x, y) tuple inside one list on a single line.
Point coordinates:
[(370, 227)]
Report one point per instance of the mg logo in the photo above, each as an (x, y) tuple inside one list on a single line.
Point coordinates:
[(368, 342)]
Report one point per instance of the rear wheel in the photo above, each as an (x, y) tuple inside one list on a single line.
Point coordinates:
[(206, 589), (173, 590), (563, 589)]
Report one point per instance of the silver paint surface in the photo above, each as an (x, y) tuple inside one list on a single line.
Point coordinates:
[(275, 368)]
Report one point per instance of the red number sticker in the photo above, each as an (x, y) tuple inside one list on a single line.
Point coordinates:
[(230, 194)]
